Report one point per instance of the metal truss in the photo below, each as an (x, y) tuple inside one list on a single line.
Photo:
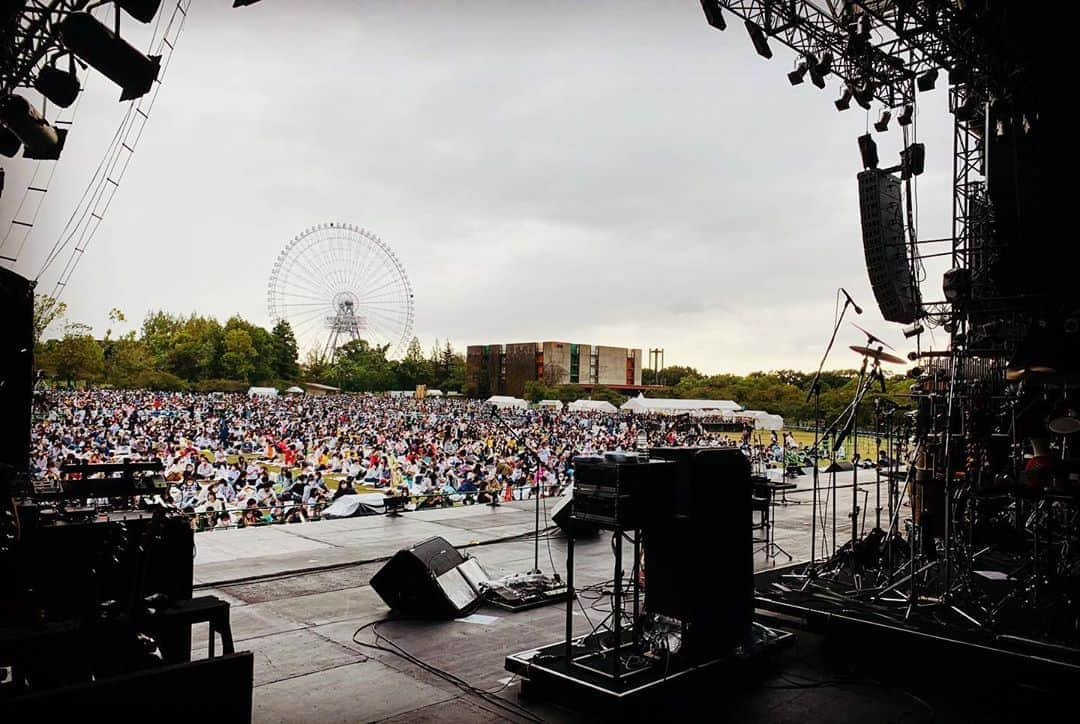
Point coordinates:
[(28, 34)]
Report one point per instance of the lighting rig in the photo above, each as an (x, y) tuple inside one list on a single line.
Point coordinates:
[(990, 556), (44, 44)]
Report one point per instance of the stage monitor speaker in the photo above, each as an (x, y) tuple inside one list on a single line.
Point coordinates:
[(16, 370), (561, 515), (699, 561), (840, 466), (429, 580), (881, 212)]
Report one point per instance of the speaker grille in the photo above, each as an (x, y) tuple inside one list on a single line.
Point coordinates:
[(883, 242)]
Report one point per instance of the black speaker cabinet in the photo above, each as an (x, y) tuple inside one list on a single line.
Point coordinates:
[(430, 580), (699, 565), (561, 515), (16, 370)]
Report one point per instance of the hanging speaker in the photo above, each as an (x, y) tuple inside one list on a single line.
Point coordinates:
[(883, 242)]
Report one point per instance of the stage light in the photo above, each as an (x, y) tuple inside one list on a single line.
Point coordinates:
[(864, 94), (914, 331), (956, 284), (844, 101), (882, 123), (9, 142), (906, 114), (926, 81), (712, 14), (142, 10), (968, 109), (59, 86), (820, 69), (912, 160), (110, 54), (40, 140), (797, 76), (959, 74), (868, 151), (757, 37)]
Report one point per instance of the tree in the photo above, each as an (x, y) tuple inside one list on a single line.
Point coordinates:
[(126, 361), (76, 356), (238, 357), (47, 310), (554, 374), (285, 352), (317, 367), (361, 367), (675, 374), (194, 349), (413, 369), (158, 330)]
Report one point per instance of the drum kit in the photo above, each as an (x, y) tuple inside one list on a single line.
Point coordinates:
[(992, 538)]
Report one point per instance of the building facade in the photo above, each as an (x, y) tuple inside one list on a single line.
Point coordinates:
[(503, 369)]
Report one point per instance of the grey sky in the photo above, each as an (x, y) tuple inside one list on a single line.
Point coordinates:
[(613, 173)]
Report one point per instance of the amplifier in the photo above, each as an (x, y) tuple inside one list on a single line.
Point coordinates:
[(615, 491)]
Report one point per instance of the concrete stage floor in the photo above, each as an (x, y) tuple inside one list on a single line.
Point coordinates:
[(300, 625)]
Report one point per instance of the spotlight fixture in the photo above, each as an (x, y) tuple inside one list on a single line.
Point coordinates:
[(40, 140), (926, 81), (968, 109), (882, 123), (913, 331), (864, 94), (906, 114), (712, 13), (820, 68), (956, 284), (797, 76), (959, 74), (868, 151), (844, 101), (142, 10), (59, 86), (912, 160), (9, 142), (757, 37), (114, 57)]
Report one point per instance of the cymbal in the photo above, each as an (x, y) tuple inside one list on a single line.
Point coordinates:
[(873, 337), (877, 354)]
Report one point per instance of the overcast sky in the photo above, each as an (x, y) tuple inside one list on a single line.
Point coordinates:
[(611, 173)]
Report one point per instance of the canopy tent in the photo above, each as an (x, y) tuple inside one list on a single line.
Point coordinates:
[(668, 406), (434, 393), (262, 392), (504, 401), (294, 390), (591, 406), (550, 404), (769, 422), (352, 506)]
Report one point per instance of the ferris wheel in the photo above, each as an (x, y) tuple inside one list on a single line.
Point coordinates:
[(337, 282)]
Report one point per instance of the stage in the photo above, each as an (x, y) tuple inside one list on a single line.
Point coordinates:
[(300, 624)]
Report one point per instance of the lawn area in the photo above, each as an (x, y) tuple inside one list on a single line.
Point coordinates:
[(867, 447)]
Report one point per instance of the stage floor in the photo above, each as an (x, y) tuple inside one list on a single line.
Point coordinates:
[(300, 626)]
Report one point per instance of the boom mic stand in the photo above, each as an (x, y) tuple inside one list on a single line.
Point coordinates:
[(557, 590), (815, 392)]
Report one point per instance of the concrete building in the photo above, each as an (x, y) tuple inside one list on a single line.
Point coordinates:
[(505, 368)]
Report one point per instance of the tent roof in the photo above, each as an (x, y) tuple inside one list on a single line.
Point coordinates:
[(294, 388), (658, 404), (596, 405)]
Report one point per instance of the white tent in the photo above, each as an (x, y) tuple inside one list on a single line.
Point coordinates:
[(550, 404), (434, 393), (667, 406), (294, 390), (769, 422), (262, 392), (504, 401), (591, 406)]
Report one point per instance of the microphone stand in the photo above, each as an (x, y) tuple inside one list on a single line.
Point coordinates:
[(815, 392), (538, 465)]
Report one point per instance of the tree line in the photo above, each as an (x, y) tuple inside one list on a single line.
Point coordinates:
[(175, 352)]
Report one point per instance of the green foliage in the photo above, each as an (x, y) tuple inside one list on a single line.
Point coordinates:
[(158, 380), (47, 310), (125, 360), (606, 393), (220, 386), (238, 354), (77, 356), (361, 367), (285, 353)]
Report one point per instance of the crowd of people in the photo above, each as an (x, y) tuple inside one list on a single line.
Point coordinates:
[(234, 460)]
